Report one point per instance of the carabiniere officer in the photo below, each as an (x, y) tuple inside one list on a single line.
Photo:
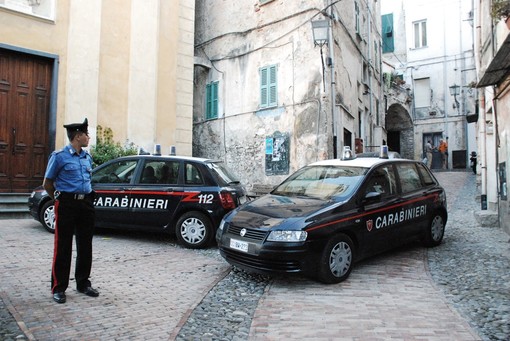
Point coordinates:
[(67, 180)]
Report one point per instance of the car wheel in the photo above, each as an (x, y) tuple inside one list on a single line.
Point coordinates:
[(194, 230), (47, 216), (336, 260), (435, 231)]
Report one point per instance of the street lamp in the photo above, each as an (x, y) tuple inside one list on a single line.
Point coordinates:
[(320, 30), (455, 91)]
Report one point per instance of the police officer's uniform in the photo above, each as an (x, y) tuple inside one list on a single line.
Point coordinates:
[(74, 214)]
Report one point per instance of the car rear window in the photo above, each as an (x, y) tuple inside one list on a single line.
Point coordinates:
[(221, 174)]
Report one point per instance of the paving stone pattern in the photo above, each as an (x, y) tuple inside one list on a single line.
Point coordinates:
[(153, 289)]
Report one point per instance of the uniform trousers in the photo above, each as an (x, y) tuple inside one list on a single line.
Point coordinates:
[(72, 217)]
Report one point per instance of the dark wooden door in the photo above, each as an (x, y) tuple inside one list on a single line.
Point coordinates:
[(25, 82)]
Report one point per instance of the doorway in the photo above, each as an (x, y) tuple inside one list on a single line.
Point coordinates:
[(25, 95)]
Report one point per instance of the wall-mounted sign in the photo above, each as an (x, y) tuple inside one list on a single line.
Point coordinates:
[(277, 154)]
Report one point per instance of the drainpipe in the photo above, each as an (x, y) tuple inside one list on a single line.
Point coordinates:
[(333, 86)]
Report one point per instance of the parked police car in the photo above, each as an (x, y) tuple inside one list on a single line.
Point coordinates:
[(183, 195), (332, 213)]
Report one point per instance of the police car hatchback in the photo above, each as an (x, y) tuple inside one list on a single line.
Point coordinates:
[(332, 213), (187, 196)]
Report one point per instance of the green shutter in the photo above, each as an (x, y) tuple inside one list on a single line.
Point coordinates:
[(268, 86), (211, 100), (263, 88), (387, 31)]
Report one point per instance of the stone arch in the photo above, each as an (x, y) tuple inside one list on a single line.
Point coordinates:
[(400, 130)]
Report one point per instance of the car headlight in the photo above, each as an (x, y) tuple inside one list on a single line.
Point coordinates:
[(287, 236), (222, 224)]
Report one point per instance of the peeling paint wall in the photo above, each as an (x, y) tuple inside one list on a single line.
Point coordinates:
[(235, 39)]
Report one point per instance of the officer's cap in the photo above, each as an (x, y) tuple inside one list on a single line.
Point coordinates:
[(83, 127)]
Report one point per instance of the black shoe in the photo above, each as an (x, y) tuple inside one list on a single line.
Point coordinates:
[(59, 297), (89, 291)]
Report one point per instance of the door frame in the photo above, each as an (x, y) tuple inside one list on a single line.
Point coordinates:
[(52, 119)]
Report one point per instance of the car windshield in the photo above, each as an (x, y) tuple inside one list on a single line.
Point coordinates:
[(222, 174), (322, 182)]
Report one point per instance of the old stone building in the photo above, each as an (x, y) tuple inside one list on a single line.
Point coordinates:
[(126, 65), (493, 48), (271, 97), (428, 53)]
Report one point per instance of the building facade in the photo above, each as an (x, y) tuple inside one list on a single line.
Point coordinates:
[(428, 53), (271, 97), (125, 65), (493, 65)]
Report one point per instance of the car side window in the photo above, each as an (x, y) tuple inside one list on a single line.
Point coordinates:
[(168, 173), (149, 174), (193, 175), (382, 181), (116, 172), (409, 177), (426, 176)]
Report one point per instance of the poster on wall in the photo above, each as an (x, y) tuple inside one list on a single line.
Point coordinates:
[(277, 154)]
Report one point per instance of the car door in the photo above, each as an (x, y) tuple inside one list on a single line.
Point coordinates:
[(112, 183), (156, 193), (415, 201), (380, 204)]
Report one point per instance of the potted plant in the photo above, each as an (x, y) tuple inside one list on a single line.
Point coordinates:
[(501, 10)]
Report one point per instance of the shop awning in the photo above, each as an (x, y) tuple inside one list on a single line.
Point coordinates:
[(499, 68)]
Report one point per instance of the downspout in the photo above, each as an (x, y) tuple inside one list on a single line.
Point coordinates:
[(333, 83)]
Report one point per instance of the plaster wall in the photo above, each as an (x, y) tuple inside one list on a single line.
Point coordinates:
[(233, 41), (126, 65)]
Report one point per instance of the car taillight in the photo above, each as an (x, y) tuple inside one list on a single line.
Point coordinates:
[(227, 200)]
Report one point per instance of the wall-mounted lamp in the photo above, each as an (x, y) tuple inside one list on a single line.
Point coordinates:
[(455, 91), (320, 32)]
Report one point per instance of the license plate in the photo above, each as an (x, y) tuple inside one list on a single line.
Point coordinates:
[(239, 245)]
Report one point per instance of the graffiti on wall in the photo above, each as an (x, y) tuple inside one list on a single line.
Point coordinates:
[(277, 154)]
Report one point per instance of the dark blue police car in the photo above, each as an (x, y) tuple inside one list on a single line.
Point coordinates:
[(187, 196), (332, 213)]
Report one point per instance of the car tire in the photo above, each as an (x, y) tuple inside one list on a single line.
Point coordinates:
[(194, 230), (337, 260), (435, 231), (47, 216)]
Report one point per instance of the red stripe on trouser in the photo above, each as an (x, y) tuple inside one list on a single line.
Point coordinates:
[(53, 277)]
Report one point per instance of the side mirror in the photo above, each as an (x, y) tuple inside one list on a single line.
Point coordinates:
[(371, 197)]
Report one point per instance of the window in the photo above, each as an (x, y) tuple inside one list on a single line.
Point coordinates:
[(387, 33), (426, 176), (422, 92), (38, 8), (211, 96), (356, 18), (117, 172), (409, 177), (420, 33), (382, 181), (192, 175), (268, 87)]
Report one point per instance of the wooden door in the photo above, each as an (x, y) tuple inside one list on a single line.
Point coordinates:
[(25, 82)]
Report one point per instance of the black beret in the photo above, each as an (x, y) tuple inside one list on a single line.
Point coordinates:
[(77, 127)]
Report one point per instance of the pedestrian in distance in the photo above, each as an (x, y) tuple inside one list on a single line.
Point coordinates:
[(473, 161), (443, 149), (428, 152), (67, 180)]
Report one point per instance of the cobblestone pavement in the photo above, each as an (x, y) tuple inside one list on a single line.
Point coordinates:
[(153, 289)]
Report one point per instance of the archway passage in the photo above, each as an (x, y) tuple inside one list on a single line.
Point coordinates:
[(25, 83), (399, 126)]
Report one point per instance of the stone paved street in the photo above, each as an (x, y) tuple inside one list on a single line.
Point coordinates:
[(153, 289)]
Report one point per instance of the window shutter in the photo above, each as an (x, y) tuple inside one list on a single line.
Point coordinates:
[(273, 87), (208, 101), (263, 88), (387, 29)]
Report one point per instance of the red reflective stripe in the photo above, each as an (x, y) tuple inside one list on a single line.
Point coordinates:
[(374, 211), (55, 211)]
